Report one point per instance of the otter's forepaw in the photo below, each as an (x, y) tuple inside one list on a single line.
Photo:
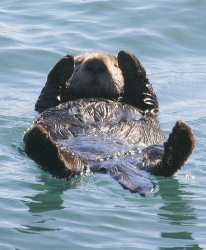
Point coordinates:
[(130, 66), (138, 91), (54, 90), (62, 71)]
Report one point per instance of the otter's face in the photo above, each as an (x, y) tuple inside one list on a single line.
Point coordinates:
[(96, 75)]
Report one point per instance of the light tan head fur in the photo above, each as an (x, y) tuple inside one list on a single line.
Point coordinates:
[(96, 74)]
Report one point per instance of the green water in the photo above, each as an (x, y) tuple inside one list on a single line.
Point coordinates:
[(94, 212)]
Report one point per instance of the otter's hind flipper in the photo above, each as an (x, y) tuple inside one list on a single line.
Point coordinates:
[(54, 90), (178, 147), (60, 162), (138, 90), (130, 178)]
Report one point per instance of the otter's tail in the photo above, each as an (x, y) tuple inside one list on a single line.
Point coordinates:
[(177, 149)]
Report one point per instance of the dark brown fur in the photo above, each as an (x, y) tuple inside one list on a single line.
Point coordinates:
[(43, 149), (128, 113)]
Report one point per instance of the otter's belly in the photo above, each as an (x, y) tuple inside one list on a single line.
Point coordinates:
[(101, 148)]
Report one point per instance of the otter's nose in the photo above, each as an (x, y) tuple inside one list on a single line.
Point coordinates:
[(95, 66)]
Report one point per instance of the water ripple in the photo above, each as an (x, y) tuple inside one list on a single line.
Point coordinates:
[(93, 212)]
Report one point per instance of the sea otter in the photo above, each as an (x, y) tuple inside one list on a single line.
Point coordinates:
[(98, 113)]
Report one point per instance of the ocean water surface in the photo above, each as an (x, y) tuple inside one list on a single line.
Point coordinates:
[(94, 212)]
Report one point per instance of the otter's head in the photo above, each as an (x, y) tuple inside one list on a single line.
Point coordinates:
[(95, 75), (99, 75)]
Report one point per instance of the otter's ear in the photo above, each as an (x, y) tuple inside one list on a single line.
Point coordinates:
[(54, 90), (138, 91)]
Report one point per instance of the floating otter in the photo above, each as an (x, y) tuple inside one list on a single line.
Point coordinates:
[(100, 115)]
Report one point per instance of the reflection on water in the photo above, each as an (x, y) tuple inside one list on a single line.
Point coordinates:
[(169, 39), (27, 229), (177, 212), (50, 197)]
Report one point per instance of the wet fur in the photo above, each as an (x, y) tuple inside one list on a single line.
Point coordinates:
[(104, 81), (99, 75), (128, 112)]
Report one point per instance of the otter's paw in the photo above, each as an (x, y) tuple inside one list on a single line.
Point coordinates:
[(54, 90), (177, 149), (62, 71), (179, 146), (130, 66), (138, 91), (168, 160), (60, 162)]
